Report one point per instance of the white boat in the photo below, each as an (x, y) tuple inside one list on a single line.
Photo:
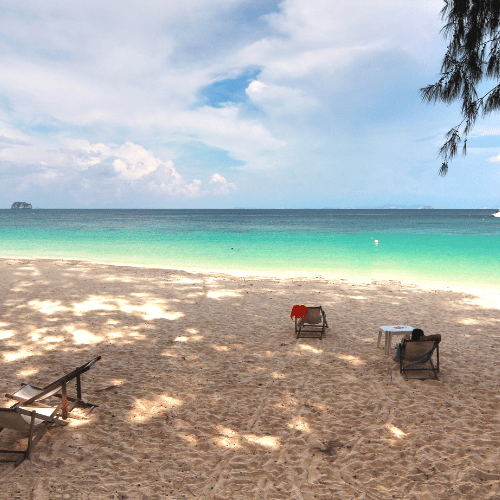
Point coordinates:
[(496, 214)]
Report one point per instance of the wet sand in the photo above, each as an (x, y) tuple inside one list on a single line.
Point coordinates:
[(204, 392)]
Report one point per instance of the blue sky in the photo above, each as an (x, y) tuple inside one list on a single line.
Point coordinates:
[(230, 103)]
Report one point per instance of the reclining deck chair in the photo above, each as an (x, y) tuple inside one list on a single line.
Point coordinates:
[(313, 324), (29, 414), (32, 419), (33, 395), (416, 357)]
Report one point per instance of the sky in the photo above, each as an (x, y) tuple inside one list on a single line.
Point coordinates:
[(231, 103)]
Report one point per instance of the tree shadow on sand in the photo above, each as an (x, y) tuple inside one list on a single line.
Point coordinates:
[(204, 391)]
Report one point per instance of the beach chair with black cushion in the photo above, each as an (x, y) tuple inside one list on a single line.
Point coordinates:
[(32, 420), (416, 359), (57, 390), (313, 325)]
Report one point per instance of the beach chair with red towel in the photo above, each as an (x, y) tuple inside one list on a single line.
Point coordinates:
[(310, 322)]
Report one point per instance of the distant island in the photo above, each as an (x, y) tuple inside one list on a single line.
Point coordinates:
[(21, 204)]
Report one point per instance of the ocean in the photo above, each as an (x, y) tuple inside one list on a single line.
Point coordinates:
[(441, 247)]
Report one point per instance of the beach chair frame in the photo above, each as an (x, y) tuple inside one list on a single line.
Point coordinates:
[(313, 325), (57, 389), (416, 358), (11, 418)]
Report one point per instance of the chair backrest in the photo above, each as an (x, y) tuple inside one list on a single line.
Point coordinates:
[(27, 392), (417, 350), (19, 419), (11, 419), (58, 383), (313, 316)]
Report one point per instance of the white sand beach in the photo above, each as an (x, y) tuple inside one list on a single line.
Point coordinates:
[(204, 392)]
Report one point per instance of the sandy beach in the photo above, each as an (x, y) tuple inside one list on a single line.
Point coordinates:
[(204, 392)]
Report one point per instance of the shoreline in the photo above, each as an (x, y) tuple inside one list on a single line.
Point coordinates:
[(478, 289)]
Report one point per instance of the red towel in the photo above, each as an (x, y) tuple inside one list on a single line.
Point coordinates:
[(299, 312)]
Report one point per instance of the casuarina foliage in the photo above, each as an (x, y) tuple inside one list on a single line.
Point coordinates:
[(472, 57)]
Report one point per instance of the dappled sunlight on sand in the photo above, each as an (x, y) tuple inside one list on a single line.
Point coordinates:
[(170, 354), (468, 321), (183, 280), (193, 338), (265, 441), (310, 348), (227, 442), (351, 359), (146, 409), (220, 348), (190, 438), (53, 338), (229, 438), (94, 304), (487, 300), (28, 372), (222, 294), (148, 311), (73, 422), (22, 353), (81, 336), (84, 337), (395, 431), (299, 424), (48, 306), (202, 398)]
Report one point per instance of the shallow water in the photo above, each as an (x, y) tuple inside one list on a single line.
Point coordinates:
[(451, 247)]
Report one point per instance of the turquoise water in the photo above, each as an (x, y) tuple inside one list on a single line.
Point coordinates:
[(454, 247)]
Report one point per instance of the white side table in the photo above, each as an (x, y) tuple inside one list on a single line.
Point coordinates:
[(389, 332)]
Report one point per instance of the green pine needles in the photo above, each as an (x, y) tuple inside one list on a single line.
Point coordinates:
[(472, 56)]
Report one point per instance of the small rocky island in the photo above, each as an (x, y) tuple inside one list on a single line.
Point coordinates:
[(21, 204)]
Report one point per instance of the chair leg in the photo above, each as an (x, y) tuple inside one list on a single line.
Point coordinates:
[(30, 439), (78, 388), (64, 401), (41, 432), (433, 369)]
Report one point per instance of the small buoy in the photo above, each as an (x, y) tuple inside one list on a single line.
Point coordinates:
[(376, 242)]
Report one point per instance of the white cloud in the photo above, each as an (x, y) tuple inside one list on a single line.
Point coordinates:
[(279, 99), (482, 131), (106, 96), (173, 187), (134, 162), (222, 187), (90, 172)]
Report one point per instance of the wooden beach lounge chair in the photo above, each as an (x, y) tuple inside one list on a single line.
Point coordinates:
[(34, 420), (313, 325), (416, 358), (33, 395)]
